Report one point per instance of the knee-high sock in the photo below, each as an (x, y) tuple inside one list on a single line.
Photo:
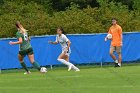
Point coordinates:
[(68, 63), (36, 65), (24, 66), (65, 62), (75, 68)]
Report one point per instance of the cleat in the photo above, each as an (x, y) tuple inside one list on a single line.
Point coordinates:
[(27, 73), (77, 70), (116, 65)]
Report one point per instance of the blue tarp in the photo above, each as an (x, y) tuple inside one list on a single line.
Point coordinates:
[(89, 48)]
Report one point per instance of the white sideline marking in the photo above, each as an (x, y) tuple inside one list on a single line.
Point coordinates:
[(50, 77), (29, 87), (67, 76)]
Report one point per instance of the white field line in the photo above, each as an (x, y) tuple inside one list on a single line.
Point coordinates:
[(68, 76), (43, 78), (47, 87)]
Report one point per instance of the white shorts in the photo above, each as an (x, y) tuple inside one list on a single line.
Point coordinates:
[(68, 52)]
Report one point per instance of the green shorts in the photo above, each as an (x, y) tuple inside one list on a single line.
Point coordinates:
[(26, 52)]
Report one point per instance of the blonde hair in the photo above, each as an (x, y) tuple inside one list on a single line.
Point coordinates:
[(22, 30), (20, 27)]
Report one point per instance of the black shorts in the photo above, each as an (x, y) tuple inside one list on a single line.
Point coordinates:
[(26, 52)]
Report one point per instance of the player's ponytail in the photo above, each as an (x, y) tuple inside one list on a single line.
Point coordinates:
[(63, 32), (20, 27)]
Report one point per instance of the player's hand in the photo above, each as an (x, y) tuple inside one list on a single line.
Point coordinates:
[(11, 43), (105, 39), (66, 50), (50, 42)]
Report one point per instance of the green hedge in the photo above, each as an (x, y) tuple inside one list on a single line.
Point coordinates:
[(39, 21)]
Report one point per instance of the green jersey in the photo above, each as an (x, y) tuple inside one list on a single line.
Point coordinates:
[(25, 41)]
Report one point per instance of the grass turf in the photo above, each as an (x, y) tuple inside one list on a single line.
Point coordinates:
[(88, 80)]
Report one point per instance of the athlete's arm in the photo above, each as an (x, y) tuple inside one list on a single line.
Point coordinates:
[(106, 38), (121, 35), (56, 41), (18, 42), (69, 43), (51, 42), (109, 32), (120, 32)]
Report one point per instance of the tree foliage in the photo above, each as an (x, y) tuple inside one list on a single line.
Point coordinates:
[(40, 17)]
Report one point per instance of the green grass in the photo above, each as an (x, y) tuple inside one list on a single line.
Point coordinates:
[(58, 80)]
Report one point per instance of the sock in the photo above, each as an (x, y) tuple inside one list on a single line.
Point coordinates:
[(119, 64), (65, 62), (75, 68), (68, 63), (36, 65), (24, 66), (116, 61)]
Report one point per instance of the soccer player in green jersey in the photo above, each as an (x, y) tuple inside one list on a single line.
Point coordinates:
[(25, 48)]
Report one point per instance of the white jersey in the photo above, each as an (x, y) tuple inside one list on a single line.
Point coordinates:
[(63, 41)]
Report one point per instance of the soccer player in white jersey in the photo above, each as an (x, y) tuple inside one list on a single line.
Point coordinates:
[(65, 44)]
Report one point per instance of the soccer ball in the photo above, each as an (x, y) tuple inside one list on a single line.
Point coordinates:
[(43, 70), (109, 36)]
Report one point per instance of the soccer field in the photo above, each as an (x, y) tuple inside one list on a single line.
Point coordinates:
[(59, 80)]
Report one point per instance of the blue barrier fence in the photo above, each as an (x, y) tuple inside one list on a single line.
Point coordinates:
[(86, 48)]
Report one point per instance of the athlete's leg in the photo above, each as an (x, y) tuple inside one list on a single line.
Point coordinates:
[(35, 64), (119, 59), (61, 56), (66, 58), (118, 50), (61, 59), (21, 60), (112, 49), (72, 66)]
